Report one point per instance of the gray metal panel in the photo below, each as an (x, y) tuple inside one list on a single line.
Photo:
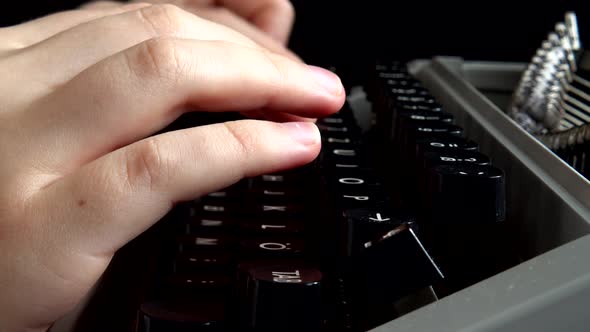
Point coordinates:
[(548, 293), (549, 208), (548, 201)]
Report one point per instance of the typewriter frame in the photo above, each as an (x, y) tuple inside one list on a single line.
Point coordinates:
[(548, 204)]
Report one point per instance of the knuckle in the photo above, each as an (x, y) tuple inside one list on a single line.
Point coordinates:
[(146, 166), (277, 77), (156, 59), (162, 19), (243, 140)]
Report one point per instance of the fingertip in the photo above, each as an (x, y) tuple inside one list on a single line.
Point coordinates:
[(327, 80), (305, 133), (332, 85)]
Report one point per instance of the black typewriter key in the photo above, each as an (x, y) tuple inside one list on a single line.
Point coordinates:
[(206, 241), (346, 155), (408, 92), (466, 223), (419, 129), (362, 227), (334, 129), (280, 179), (424, 128), (216, 207), (358, 198), (421, 115), (401, 83), (269, 226), (394, 75), (204, 281), (343, 117), (414, 99), (390, 267), (404, 118), (354, 183), (277, 210), (344, 141), (332, 121), (432, 158), (443, 142), (283, 298), (343, 157), (340, 142), (460, 192), (428, 107), (202, 260), (438, 144), (206, 223), (189, 315), (279, 246), (276, 194)]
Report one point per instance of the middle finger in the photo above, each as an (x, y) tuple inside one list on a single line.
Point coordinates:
[(82, 46)]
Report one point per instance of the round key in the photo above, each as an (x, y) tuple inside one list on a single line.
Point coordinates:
[(419, 129), (403, 118), (401, 83), (362, 226), (408, 91), (433, 158), (198, 314), (443, 142), (279, 226), (434, 107), (460, 192), (279, 246), (283, 298), (414, 99)]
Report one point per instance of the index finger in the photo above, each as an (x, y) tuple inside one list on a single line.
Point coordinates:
[(137, 92)]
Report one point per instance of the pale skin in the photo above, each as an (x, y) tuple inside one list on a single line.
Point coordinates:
[(80, 93)]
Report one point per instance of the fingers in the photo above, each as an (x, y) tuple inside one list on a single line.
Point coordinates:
[(141, 90), (275, 17), (228, 18), (101, 4), (108, 202), (73, 52), (276, 116), (34, 31)]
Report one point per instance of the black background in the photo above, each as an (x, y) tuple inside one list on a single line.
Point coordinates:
[(344, 32)]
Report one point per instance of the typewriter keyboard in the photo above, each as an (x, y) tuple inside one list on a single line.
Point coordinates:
[(405, 207)]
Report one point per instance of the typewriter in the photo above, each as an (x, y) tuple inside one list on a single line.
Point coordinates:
[(431, 207)]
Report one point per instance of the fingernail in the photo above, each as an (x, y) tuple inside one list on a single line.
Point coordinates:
[(305, 133), (327, 79)]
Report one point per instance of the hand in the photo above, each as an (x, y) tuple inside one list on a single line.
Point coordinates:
[(81, 91), (267, 22)]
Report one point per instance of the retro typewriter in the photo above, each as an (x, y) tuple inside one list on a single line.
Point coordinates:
[(448, 196)]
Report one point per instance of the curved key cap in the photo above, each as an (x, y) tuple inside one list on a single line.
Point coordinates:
[(467, 193), (409, 134), (403, 118), (443, 142), (280, 246), (465, 227), (197, 315), (433, 158), (363, 226), (431, 107), (283, 298)]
